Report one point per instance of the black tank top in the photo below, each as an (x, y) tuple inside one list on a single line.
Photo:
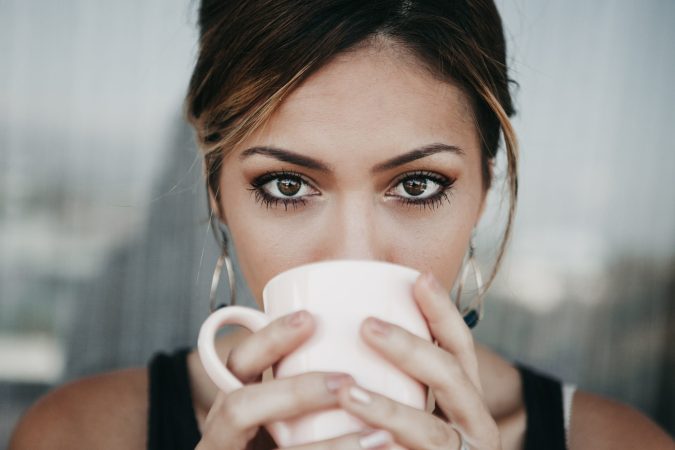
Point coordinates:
[(172, 424)]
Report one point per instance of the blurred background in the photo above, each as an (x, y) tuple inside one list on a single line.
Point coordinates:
[(105, 252)]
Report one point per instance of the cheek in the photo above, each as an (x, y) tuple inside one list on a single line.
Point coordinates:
[(438, 241), (436, 247), (264, 248), (266, 241)]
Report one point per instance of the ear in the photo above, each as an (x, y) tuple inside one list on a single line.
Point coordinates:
[(215, 208), (483, 200), (213, 202)]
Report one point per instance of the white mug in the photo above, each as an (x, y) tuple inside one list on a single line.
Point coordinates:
[(340, 294)]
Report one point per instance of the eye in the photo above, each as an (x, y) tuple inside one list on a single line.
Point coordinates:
[(419, 187), (287, 188), (422, 188)]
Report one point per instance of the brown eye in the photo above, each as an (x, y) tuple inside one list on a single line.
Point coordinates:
[(421, 188), (288, 186), (283, 187), (415, 186)]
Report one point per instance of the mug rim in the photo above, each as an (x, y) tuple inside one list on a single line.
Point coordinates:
[(366, 262)]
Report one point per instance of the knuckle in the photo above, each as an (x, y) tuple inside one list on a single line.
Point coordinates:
[(452, 369), (389, 409), (235, 364), (228, 411), (275, 341), (297, 391), (465, 338), (270, 341), (460, 418), (439, 435), (301, 389)]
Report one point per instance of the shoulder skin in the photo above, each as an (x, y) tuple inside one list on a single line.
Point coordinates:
[(107, 411), (599, 423)]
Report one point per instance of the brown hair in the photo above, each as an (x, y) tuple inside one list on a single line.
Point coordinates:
[(253, 53)]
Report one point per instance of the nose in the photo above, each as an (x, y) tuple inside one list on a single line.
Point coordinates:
[(352, 229)]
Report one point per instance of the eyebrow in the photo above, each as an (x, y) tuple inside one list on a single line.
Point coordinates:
[(311, 163), (417, 153), (286, 156)]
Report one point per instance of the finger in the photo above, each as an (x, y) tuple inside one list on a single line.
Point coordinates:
[(265, 347), (446, 323), (245, 409), (369, 439), (454, 391), (412, 428)]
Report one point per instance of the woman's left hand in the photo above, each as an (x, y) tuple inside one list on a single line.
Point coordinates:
[(450, 370)]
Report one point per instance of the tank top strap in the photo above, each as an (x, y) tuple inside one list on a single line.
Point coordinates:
[(172, 424), (543, 399), (568, 391)]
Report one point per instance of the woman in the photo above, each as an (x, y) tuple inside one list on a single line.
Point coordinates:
[(361, 130)]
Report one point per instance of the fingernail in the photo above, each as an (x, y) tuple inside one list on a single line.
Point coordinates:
[(359, 395), (296, 319), (375, 439), (378, 327), (335, 381)]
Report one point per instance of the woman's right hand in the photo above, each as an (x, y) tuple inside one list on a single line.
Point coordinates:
[(235, 417)]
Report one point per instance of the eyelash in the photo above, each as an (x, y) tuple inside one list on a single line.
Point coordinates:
[(271, 201), (434, 200)]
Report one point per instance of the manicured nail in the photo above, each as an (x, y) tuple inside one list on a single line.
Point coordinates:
[(359, 395), (378, 327), (335, 381), (296, 319), (375, 439)]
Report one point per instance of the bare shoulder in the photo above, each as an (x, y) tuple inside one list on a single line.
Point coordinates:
[(600, 423), (501, 382), (102, 411)]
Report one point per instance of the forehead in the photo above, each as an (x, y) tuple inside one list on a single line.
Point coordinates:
[(371, 99)]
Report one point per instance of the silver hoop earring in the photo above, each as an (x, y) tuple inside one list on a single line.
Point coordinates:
[(224, 258), (473, 312)]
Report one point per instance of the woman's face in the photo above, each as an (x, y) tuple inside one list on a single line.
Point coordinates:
[(370, 158)]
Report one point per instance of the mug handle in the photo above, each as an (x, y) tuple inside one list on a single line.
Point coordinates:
[(238, 315), (252, 319)]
